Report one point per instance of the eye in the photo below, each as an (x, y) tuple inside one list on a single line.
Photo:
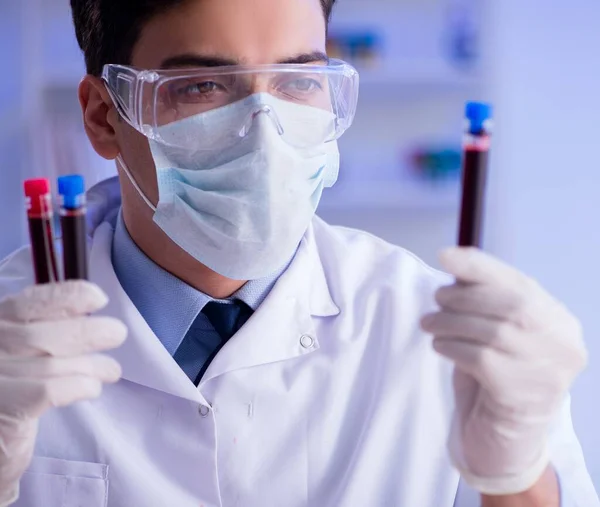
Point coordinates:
[(195, 91), (201, 88), (303, 85)]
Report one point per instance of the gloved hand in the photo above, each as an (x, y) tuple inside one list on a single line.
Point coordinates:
[(48, 358), (516, 352)]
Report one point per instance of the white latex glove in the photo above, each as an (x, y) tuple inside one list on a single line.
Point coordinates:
[(516, 352), (48, 346)]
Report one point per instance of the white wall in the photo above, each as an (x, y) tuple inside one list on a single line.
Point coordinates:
[(13, 148), (422, 232), (546, 181), (41, 132)]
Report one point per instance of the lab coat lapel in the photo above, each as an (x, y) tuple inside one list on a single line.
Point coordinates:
[(283, 326), (143, 358)]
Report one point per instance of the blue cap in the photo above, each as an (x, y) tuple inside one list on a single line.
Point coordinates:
[(71, 188), (477, 113)]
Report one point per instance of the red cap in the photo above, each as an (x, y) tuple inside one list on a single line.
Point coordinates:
[(36, 189)]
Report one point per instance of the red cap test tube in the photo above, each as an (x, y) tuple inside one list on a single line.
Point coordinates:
[(39, 217)]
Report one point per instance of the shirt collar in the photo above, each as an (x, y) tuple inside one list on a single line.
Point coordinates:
[(169, 305), (302, 293)]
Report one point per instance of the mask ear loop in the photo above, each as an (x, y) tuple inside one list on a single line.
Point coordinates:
[(126, 170), (120, 161)]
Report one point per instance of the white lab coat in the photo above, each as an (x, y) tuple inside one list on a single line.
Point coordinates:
[(330, 396)]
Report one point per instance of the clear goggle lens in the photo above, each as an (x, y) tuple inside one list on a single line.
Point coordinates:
[(320, 100)]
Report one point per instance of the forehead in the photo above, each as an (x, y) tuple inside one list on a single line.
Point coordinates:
[(247, 31)]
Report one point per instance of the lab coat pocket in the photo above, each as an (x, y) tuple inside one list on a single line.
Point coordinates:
[(50, 482)]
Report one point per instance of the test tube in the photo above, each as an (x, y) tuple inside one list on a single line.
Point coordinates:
[(39, 218), (71, 189), (476, 147)]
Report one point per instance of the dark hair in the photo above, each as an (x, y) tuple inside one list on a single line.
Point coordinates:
[(107, 30)]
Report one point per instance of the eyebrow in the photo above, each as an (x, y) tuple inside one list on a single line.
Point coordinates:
[(199, 60)]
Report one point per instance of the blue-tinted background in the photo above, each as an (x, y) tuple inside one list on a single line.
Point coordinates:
[(420, 60)]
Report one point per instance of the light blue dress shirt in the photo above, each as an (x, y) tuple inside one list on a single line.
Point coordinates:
[(170, 306)]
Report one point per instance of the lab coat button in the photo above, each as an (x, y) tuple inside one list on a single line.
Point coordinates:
[(307, 341), (204, 411)]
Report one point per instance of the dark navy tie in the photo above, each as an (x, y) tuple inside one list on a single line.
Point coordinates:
[(227, 318), (201, 344)]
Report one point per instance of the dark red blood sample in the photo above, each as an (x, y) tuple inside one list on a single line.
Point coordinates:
[(473, 192), (73, 227)]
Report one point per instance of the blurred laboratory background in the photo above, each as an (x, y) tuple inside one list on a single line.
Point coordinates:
[(538, 61)]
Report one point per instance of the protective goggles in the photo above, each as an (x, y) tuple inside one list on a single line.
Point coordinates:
[(319, 100)]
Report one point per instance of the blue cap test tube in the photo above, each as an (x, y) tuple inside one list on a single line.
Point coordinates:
[(476, 148), (71, 189)]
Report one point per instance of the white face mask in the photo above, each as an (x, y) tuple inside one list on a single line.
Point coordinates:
[(242, 210)]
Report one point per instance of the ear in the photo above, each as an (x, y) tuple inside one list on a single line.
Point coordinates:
[(100, 117)]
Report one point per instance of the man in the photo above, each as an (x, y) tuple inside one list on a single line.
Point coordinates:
[(272, 360)]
